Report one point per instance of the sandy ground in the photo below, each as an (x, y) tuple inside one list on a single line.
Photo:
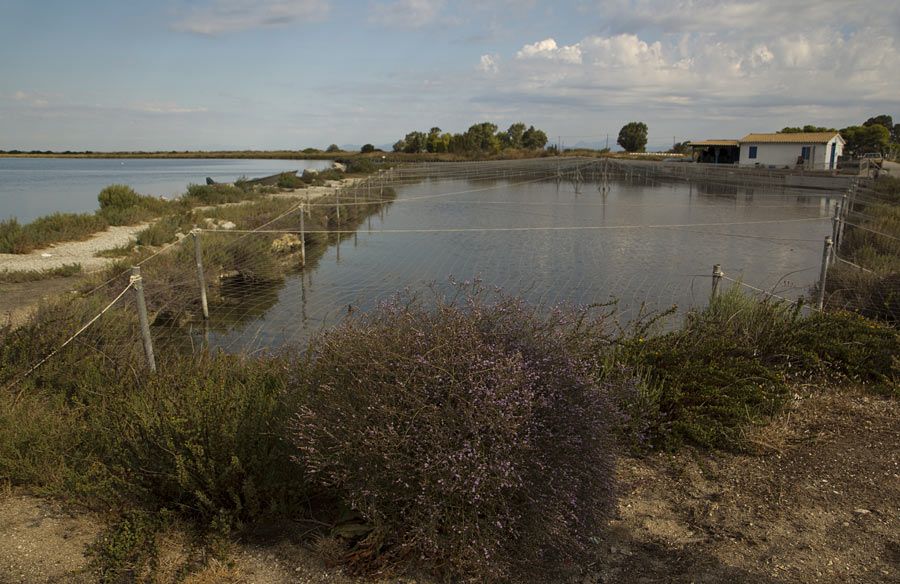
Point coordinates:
[(818, 502)]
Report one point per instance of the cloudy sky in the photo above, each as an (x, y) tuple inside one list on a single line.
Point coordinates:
[(269, 74)]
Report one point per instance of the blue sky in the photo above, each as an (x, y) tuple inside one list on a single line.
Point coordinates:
[(271, 74)]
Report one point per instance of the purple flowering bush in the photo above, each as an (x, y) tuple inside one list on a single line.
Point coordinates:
[(468, 433)]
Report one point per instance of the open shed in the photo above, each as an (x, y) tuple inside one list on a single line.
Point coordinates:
[(716, 151)]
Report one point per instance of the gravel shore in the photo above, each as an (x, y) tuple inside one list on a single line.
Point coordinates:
[(73, 252)]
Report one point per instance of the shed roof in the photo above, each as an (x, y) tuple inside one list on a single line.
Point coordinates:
[(787, 138), (734, 143)]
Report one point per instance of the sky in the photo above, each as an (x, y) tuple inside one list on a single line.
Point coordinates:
[(290, 74)]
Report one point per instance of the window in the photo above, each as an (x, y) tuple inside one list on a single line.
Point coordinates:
[(804, 152), (752, 153)]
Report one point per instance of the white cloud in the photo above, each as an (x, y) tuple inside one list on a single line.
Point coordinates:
[(742, 17), (548, 49), (405, 13), (489, 64), (624, 50), (214, 17), (18, 95), (713, 66)]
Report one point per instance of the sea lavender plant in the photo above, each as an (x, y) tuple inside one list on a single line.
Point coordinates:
[(468, 433)]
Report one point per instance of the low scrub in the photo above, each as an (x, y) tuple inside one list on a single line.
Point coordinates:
[(15, 276), (45, 231), (733, 363), (469, 435), (289, 180), (218, 194), (121, 205)]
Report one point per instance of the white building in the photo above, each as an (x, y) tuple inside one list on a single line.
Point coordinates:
[(819, 150)]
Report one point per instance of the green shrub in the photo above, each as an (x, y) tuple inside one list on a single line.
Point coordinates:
[(469, 435), (203, 437), (14, 238), (217, 194), (360, 165), (125, 551), (121, 205), (118, 197), (42, 232), (289, 180), (732, 363)]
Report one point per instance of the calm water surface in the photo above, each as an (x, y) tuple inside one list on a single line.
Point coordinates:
[(34, 187), (640, 243)]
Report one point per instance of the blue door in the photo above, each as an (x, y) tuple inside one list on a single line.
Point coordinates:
[(833, 148)]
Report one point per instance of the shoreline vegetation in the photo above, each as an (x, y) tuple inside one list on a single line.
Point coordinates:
[(122, 206), (471, 436), (375, 156)]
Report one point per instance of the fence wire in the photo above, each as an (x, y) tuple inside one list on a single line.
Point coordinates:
[(295, 269)]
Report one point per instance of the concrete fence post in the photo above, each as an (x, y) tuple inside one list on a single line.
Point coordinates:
[(142, 316), (716, 279), (842, 220), (826, 256), (302, 242), (199, 259)]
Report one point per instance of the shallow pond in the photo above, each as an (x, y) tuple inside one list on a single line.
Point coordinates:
[(652, 244)]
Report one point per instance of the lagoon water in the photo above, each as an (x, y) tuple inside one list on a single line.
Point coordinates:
[(34, 187), (642, 243)]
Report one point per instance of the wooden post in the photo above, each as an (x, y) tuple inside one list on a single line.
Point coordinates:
[(826, 256), (199, 258), (716, 279), (142, 316)]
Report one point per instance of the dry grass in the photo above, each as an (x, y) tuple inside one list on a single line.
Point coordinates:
[(217, 572)]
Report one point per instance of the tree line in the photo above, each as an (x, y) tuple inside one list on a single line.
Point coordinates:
[(481, 138), (878, 134)]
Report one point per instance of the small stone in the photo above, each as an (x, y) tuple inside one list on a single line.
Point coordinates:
[(861, 511)]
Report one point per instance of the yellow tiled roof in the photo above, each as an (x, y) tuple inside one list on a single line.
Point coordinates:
[(734, 143), (803, 137)]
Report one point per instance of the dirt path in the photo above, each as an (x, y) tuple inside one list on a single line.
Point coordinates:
[(820, 502)]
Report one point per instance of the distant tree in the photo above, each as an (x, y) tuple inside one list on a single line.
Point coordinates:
[(882, 120), (863, 139), (808, 129), (462, 143), (415, 142), (888, 122), (681, 148), (633, 137), (482, 137), (512, 137), (333, 148), (367, 148), (433, 142), (399, 145), (534, 139)]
